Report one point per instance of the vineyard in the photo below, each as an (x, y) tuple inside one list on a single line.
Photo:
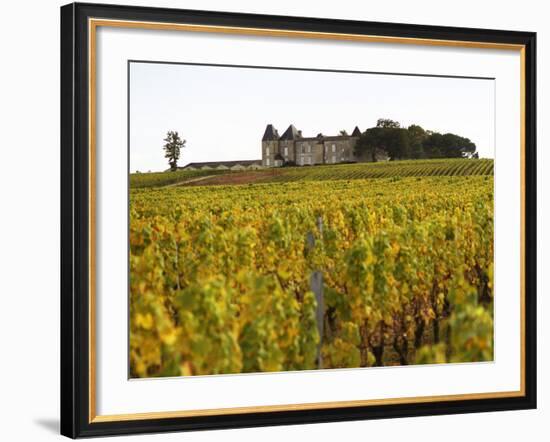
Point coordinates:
[(221, 277), (158, 179), (410, 168), (386, 169)]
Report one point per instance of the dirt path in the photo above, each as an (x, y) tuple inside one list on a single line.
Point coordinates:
[(233, 178), (188, 181), (229, 178)]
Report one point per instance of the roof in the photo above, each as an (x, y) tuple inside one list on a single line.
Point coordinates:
[(223, 163), (324, 138), (270, 133), (291, 133), (294, 134)]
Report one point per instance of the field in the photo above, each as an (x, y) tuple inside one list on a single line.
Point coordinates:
[(157, 179), (314, 267), (440, 167), (445, 167)]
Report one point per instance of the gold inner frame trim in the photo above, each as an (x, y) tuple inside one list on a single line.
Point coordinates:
[(297, 407), (299, 34), (93, 24)]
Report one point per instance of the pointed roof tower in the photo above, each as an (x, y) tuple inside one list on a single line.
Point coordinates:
[(270, 133), (356, 132), (291, 133)]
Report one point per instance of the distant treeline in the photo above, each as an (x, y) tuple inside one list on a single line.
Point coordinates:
[(413, 142)]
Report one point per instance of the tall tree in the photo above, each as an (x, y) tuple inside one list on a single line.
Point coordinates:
[(393, 139), (387, 137), (368, 143), (172, 148), (417, 136), (396, 141)]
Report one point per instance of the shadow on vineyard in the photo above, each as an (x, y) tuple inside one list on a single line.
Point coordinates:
[(354, 265)]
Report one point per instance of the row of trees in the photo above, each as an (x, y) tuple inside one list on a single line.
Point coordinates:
[(413, 142)]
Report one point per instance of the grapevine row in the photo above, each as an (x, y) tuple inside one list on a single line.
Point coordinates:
[(220, 275)]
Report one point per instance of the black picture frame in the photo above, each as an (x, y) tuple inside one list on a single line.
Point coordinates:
[(75, 221)]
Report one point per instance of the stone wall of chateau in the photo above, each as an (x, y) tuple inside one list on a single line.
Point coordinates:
[(294, 149), (287, 150), (329, 150), (270, 149)]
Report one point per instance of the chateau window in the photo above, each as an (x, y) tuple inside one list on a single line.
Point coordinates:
[(267, 151), (267, 161), (286, 151), (334, 147), (334, 158), (308, 148)]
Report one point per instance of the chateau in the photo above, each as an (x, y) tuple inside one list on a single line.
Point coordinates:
[(292, 148)]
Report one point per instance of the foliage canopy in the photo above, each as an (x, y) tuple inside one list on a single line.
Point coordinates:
[(413, 142)]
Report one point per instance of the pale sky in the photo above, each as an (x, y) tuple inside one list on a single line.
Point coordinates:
[(222, 112)]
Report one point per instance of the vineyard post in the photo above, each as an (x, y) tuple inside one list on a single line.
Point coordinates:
[(316, 285), (316, 282)]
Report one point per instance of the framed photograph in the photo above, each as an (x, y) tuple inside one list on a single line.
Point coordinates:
[(274, 220)]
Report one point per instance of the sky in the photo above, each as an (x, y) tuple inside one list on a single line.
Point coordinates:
[(222, 112)]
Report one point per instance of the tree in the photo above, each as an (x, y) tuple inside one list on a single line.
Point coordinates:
[(368, 143), (172, 148), (388, 136), (393, 139), (417, 136), (396, 143), (413, 142), (343, 133), (432, 145), (448, 145), (387, 123)]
